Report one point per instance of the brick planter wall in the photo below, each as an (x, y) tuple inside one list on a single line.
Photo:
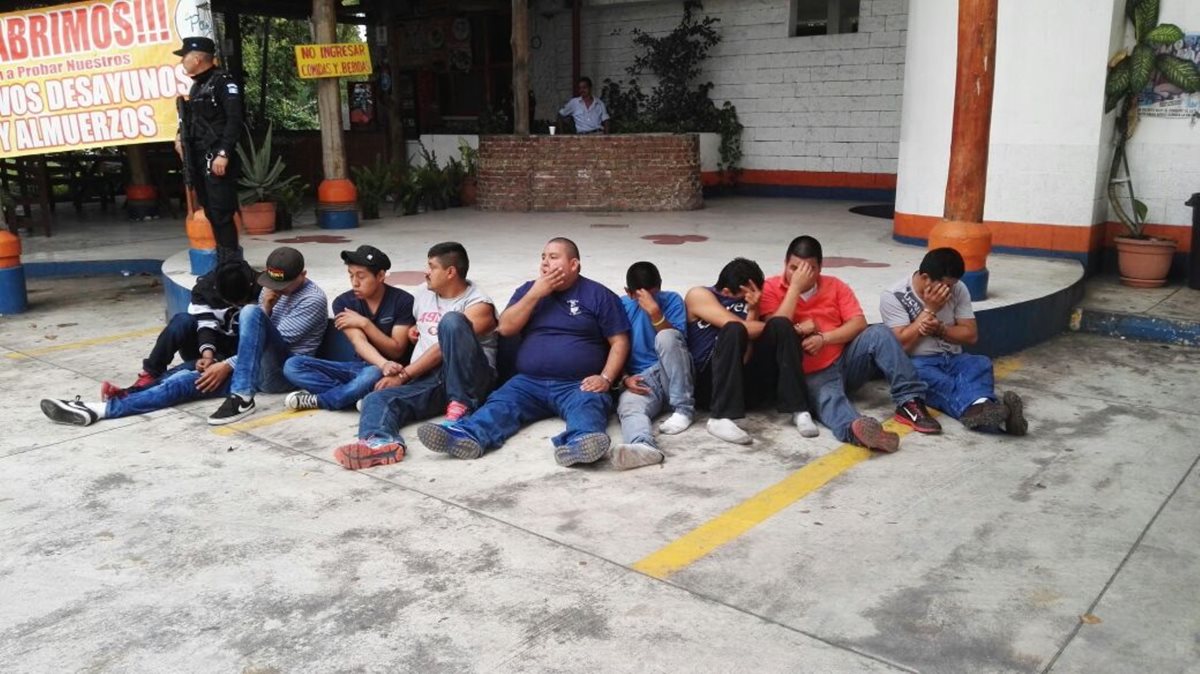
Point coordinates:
[(634, 172)]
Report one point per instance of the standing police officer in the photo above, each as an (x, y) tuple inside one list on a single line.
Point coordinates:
[(211, 125)]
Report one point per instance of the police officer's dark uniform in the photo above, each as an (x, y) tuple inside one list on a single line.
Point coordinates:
[(211, 127)]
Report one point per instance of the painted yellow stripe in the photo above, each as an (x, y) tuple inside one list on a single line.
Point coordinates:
[(743, 517), (731, 524), (83, 344), (259, 422)]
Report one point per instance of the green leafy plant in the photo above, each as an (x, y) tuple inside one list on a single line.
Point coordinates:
[(289, 196), (375, 183), (260, 176), (1130, 71), (469, 156), (676, 103), (408, 193)]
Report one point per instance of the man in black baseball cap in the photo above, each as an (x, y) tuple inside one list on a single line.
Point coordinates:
[(367, 256), (284, 266), (375, 318), (210, 124)]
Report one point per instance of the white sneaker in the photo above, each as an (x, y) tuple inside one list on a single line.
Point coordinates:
[(675, 424), (358, 405), (300, 400), (634, 455), (804, 422), (728, 431)]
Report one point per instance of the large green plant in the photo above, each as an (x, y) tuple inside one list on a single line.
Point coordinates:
[(260, 176), (375, 183), (677, 102), (1130, 71)]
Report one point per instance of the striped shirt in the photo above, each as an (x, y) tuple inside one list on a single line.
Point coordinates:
[(300, 318)]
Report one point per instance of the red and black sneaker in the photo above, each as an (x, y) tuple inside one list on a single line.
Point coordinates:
[(914, 413)]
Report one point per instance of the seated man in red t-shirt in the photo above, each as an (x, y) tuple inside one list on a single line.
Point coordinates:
[(841, 352)]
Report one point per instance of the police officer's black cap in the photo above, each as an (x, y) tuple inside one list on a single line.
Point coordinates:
[(199, 43), (367, 256)]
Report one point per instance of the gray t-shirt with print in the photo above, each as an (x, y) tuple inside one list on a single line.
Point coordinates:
[(900, 306), (429, 309)]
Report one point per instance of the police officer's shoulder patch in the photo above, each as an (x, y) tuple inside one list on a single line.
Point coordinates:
[(232, 88)]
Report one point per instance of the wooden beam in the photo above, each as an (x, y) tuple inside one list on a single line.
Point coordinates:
[(966, 185), (520, 66), (329, 100), (576, 38), (395, 119)]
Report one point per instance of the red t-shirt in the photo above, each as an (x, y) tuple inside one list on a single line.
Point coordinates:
[(832, 306)]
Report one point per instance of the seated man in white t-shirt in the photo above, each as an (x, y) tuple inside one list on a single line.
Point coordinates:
[(930, 314), (453, 365), (589, 113)]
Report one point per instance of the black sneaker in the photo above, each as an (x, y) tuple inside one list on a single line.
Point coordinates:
[(231, 410), (987, 415), (1016, 424), (914, 413), (72, 412)]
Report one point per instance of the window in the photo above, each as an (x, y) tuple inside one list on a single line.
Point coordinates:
[(823, 17)]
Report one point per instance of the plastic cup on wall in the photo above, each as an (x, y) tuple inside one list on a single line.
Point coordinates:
[(552, 130)]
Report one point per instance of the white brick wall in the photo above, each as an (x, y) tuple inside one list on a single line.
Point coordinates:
[(821, 103)]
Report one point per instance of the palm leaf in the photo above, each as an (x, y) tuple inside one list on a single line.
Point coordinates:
[(1118, 79), (1180, 72), (1141, 68), (1145, 18), (1164, 36)]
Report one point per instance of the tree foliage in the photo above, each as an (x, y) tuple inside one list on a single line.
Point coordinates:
[(291, 102)]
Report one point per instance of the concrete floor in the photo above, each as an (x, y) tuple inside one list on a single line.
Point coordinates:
[(156, 544), (1175, 301)]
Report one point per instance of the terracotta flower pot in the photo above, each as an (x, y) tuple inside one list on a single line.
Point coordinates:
[(259, 218), (469, 192), (1144, 263)]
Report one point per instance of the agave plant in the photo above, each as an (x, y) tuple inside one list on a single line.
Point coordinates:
[(1130, 71), (260, 177)]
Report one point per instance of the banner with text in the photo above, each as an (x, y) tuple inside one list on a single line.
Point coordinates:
[(332, 60), (93, 74)]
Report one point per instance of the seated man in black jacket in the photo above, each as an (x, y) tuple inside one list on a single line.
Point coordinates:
[(205, 333)]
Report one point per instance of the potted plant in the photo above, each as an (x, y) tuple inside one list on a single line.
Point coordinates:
[(1143, 261), (260, 180), (456, 175), (469, 191), (408, 193), (289, 200), (375, 184)]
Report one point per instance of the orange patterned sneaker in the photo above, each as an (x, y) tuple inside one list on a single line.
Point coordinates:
[(358, 455)]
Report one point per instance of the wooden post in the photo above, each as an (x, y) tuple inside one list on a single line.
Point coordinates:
[(336, 196), (395, 120), (329, 100), (139, 174), (233, 55), (262, 80), (962, 225), (576, 37), (520, 66)]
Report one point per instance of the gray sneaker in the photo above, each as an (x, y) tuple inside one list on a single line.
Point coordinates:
[(587, 448), (634, 455)]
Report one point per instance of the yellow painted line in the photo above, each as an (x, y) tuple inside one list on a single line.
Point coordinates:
[(731, 524), (83, 344), (743, 517), (259, 422)]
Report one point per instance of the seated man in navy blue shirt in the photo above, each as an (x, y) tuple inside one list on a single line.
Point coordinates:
[(574, 342), (376, 318)]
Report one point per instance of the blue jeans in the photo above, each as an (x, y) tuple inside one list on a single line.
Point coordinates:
[(177, 386), (338, 384), (671, 384), (261, 354), (464, 376), (523, 400), (873, 352), (956, 381)]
